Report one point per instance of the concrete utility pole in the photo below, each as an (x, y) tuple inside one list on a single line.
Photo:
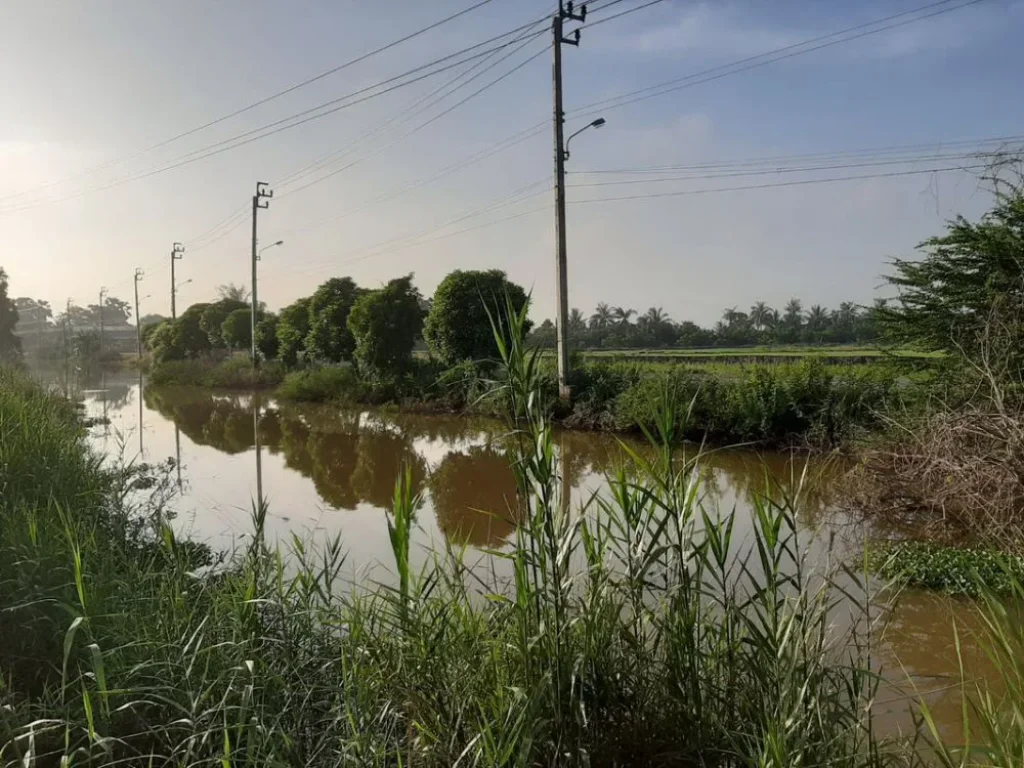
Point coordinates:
[(103, 292), (176, 253), (138, 318), (565, 11), (260, 200)]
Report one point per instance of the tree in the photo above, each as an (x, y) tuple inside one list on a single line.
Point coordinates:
[(163, 342), (149, 331), (292, 330), (212, 320), (34, 313), (621, 315), (10, 345), (602, 317), (236, 330), (329, 338), (577, 323), (232, 292), (385, 324), (458, 327), (817, 323), (759, 315), (965, 278), (266, 336), (188, 337), (115, 311), (151, 319)]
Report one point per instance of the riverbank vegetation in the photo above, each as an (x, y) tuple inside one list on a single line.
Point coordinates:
[(642, 636)]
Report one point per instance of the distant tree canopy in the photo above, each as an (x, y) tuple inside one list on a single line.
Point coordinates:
[(10, 345), (385, 324), (966, 279), (614, 327), (458, 327), (34, 313), (232, 292), (181, 338), (329, 338)]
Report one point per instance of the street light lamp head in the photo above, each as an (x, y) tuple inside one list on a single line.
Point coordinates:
[(279, 242), (598, 123)]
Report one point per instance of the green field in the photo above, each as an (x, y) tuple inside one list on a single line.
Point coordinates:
[(827, 354)]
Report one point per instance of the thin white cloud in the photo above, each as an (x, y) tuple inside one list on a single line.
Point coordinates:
[(716, 30)]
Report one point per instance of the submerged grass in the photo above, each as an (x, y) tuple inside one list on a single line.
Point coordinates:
[(636, 631)]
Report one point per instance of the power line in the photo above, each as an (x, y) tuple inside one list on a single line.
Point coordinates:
[(260, 102), (778, 54), (801, 182), (592, 24), (444, 112), (263, 132), (998, 145), (775, 171)]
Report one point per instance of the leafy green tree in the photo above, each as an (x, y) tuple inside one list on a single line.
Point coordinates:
[(187, 337), (212, 320), (458, 327), (966, 278), (236, 331), (162, 341), (602, 317), (232, 292), (10, 345), (329, 338), (385, 324), (266, 336), (293, 330), (149, 331)]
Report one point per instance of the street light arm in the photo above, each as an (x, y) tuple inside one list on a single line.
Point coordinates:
[(267, 248), (596, 124)]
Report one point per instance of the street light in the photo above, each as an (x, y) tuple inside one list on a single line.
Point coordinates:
[(183, 282), (596, 124), (267, 248)]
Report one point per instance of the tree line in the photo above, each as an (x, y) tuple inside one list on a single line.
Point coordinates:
[(341, 322), (614, 327)]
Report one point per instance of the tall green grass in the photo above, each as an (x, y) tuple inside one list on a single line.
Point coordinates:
[(637, 630)]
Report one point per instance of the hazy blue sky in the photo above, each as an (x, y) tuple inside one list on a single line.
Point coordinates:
[(90, 82)]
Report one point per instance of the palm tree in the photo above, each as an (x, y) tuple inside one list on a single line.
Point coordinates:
[(759, 314), (602, 316), (729, 316), (577, 323), (817, 318), (656, 317), (622, 315), (232, 292), (794, 312)]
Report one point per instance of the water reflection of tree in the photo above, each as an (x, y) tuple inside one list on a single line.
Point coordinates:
[(474, 495), (222, 423)]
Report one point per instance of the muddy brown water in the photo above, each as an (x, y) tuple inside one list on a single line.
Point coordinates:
[(327, 471)]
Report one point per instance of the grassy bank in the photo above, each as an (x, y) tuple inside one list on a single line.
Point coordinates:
[(233, 373), (616, 641), (799, 403)]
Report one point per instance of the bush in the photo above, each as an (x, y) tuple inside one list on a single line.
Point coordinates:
[(233, 373), (236, 330), (385, 324), (321, 385), (458, 327), (329, 339), (266, 336)]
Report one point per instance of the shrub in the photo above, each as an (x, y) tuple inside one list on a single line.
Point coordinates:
[(329, 339), (385, 324), (266, 336), (233, 373), (458, 327), (236, 330), (320, 385)]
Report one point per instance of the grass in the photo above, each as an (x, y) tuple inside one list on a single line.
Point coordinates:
[(234, 373), (321, 385), (761, 353), (637, 631)]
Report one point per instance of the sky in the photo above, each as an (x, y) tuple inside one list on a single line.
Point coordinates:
[(94, 91)]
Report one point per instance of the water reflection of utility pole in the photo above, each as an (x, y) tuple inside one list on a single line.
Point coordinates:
[(103, 387), (177, 453), (259, 449), (141, 449)]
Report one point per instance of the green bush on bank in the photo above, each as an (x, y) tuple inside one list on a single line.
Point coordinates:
[(236, 372)]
